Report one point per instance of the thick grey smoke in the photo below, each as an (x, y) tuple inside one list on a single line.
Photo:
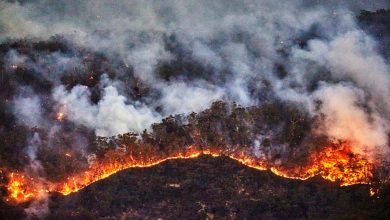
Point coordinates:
[(359, 111), (237, 43), (352, 56), (345, 120), (110, 116), (28, 110)]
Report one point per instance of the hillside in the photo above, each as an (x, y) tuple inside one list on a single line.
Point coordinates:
[(102, 101), (208, 187)]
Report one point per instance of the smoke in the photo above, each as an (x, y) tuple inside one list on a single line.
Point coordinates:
[(28, 110), (181, 98), (38, 208), (35, 166), (345, 119), (359, 111), (352, 56), (109, 117), (111, 67), (49, 66)]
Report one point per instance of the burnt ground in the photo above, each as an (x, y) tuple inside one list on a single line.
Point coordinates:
[(216, 188)]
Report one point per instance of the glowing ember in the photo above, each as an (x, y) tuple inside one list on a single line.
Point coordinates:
[(60, 116), (334, 164)]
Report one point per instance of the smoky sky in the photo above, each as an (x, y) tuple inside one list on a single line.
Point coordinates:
[(111, 67), (73, 70), (189, 54)]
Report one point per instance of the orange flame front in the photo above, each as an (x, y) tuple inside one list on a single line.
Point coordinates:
[(338, 164)]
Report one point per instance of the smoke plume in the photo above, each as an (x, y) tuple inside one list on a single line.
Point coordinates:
[(286, 75)]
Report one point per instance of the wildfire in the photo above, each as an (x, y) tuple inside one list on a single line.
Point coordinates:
[(22, 188), (17, 188), (332, 164)]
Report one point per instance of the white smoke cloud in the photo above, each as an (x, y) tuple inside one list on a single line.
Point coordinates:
[(28, 110), (111, 116), (38, 208), (207, 55), (242, 38), (180, 98), (144, 59), (35, 166), (115, 116), (49, 66), (346, 120), (353, 56)]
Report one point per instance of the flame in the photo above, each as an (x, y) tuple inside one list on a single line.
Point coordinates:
[(60, 116), (22, 188), (373, 191), (334, 164), (17, 188)]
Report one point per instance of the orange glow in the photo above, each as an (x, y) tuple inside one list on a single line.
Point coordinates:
[(22, 188), (60, 116), (17, 188), (334, 164), (373, 191)]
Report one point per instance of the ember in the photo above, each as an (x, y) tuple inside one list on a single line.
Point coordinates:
[(60, 116)]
